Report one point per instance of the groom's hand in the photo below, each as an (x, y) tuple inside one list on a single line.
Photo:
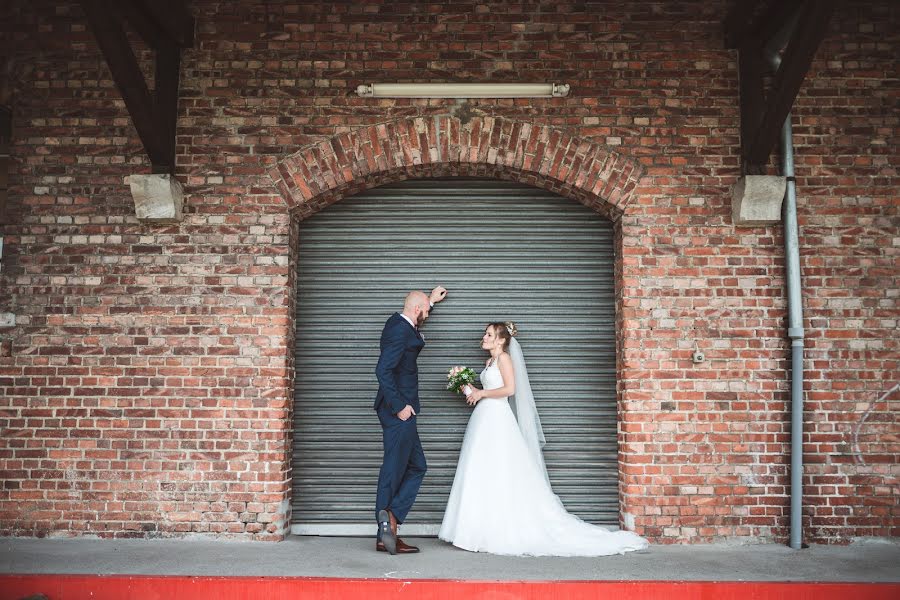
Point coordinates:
[(437, 294), (406, 413)]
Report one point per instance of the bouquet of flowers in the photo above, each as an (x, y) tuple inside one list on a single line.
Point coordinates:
[(459, 378)]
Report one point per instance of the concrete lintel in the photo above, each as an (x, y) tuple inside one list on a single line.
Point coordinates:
[(756, 200), (158, 198)]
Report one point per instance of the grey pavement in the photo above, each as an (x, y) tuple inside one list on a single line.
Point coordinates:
[(873, 560)]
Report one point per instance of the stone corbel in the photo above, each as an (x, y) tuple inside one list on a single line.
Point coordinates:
[(158, 198), (756, 200)]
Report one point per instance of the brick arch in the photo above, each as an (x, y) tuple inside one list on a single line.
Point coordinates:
[(546, 157), (440, 146)]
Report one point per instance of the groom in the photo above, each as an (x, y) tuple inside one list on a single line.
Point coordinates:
[(397, 405)]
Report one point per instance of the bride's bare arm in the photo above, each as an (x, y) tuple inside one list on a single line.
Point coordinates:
[(509, 382)]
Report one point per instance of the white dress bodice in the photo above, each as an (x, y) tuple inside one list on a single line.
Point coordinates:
[(491, 379)]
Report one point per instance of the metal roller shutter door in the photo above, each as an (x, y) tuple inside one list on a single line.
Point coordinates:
[(505, 251)]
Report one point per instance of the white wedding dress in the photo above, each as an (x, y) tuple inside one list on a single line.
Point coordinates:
[(501, 500)]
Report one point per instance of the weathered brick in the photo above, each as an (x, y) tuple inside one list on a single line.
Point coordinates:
[(127, 354)]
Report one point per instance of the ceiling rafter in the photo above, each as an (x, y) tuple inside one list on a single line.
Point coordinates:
[(167, 27), (6, 70), (749, 26)]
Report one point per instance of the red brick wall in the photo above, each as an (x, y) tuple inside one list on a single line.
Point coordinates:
[(147, 390)]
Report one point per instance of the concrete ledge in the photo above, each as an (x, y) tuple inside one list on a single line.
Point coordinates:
[(157, 198), (310, 556), (756, 200)]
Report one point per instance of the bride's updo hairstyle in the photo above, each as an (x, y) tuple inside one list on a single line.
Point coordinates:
[(504, 331)]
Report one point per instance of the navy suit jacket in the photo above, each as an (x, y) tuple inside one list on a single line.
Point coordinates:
[(398, 375)]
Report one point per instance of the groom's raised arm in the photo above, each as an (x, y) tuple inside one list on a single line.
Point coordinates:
[(392, 348), (437, 295)]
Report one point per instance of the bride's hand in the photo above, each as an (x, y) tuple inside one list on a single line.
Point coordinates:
[(473, 398)]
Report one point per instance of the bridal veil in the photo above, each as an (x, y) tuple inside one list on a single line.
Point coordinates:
[(524, 408)]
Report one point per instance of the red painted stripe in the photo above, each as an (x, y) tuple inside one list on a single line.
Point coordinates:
[(146, 587)]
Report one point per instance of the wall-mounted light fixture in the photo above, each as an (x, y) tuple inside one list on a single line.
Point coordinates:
[(463, 90)]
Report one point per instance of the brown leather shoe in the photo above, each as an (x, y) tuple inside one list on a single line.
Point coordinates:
[(393, 521), (404, 548), (386, 536), (401, 546)]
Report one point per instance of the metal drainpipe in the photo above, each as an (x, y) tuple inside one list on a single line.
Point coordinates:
[(795, 332), (795, 305)]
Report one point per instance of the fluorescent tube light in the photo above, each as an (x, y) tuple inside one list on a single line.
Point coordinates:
[(463, 90)]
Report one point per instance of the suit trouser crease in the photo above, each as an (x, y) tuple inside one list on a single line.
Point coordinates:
[(403, 467)]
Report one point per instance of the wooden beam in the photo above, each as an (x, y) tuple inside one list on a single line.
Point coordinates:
[(127, 74), (5, 141), (6, 79), (152, 34), (756, 21), (172, 17), (165, 100), (798, 55), (738, 23), (5, 128), (6, 70), (776, 16), (154, 114), (752, 98)]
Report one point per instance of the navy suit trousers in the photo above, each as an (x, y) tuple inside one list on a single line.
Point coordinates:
[(404, 465)]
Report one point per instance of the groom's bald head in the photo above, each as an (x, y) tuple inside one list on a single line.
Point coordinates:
[(414, 299), (417, 307)]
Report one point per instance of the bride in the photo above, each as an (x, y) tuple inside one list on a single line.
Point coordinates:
[(501, 500)]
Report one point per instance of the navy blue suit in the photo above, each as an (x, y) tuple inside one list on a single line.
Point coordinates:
[(403, 467)]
